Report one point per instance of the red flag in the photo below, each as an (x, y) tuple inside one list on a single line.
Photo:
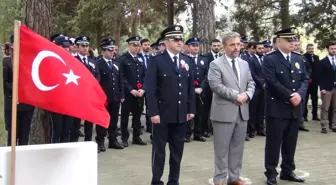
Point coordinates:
[(51, 78)]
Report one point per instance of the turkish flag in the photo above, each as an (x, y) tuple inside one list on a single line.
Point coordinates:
[(52, 79)]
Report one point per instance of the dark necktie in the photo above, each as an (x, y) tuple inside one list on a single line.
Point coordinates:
[(234, 68), (146, 61), (216, 56), (110, 64), (84, 60), (312, 58), (287, 58), (260, 59), (175, 62), (195, 60), (333, 62), (135, 59)]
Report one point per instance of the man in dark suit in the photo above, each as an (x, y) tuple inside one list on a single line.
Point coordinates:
[(145, 48), (24, 112), (257, 104), (215, 46), (199, 67), (82, 43), (171, 103), (113, 86), (251, 51), (313, 62), (133, 71), (327, 80), (61, 123), (286, 86)]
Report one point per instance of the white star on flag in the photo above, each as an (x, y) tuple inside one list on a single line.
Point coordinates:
[(71, 77)]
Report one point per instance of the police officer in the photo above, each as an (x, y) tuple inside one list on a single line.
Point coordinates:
[(286, 86), (171, 103), (60, 127), (24, 112), (161, 44), (199, 67), (82, 42), (133, 71), (113, 86)]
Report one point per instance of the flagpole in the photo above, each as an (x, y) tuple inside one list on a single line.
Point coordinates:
[(16, 57)]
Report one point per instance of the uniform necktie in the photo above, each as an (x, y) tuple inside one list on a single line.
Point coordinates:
[(110, 64), (195, 59), (216, 56), (287, 58), (84, 60), (175, 62), (234, 68)]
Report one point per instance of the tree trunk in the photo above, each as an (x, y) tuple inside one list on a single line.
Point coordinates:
[(205, 21), (194, 16), (38, 18), (284, 14), (170, 12)]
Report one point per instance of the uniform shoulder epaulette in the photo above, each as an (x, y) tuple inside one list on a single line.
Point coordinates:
[(295, 52), (157, 54), (270, 52)]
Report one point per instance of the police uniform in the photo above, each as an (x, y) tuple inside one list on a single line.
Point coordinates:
[(284, 75), (199, 67), (60, 124), (113, 86), (90, 64), (244, 53), (24, 112), (171, 95), (133, 71)]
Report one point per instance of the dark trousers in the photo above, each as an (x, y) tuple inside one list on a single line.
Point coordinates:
[(148, 119), (75, 129), (135, 106), (113, 110), (174, 134), (312, 92), (60, 127), (281, 134), (207, 108), (200, 124), (257, 108), (23, 123)]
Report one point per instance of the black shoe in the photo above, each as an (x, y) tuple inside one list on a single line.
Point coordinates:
[(207, 135), (138, 141), (247, 138), (101, 148), (261, 133), (334, 129), (251, 135), (303, 129), (324, 131), (271, 181), (316, 119), (115, 145), (305, 119), (187, 140), (151, 137), (124, 143), (291, 177), (199, 138), (142, 126)]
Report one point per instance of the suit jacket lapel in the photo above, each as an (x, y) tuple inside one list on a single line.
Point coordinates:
[(170, 62), (229, 68)]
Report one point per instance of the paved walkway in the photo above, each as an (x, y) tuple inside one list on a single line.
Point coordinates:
[(315, 159)]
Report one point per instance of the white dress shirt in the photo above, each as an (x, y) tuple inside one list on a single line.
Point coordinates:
[(172, 57)]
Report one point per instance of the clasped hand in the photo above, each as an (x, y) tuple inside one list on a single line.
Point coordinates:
[(242, 98), (295, 99)]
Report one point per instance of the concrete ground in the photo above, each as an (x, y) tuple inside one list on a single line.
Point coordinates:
[(315, 160)]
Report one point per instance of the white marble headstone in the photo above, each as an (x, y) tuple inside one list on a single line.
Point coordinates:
[(52, 164)]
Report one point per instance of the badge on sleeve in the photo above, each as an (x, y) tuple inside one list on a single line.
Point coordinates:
[(297, 65)]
